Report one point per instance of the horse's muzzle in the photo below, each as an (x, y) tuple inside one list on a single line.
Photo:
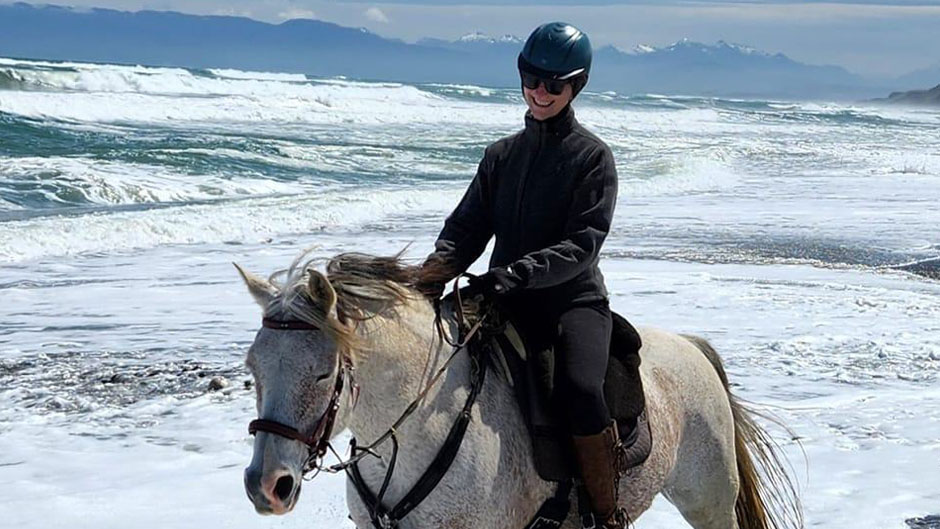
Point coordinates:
[(272, 493)]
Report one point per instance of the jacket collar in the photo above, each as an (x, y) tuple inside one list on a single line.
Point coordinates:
[(559, 125)]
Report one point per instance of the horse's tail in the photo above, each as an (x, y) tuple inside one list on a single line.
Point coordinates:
[(767, 498)]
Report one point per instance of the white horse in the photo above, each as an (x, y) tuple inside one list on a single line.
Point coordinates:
[(707, 450)]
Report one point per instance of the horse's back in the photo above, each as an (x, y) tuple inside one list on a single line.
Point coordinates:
[(677, 365), (690, 415)]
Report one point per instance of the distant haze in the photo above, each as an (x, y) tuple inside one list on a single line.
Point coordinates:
[(870, 38), (323, 49)]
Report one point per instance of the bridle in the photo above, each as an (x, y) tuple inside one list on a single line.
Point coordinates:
[(318, 442)]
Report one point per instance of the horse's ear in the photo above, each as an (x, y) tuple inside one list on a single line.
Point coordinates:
[(321, 291), (260, 289)]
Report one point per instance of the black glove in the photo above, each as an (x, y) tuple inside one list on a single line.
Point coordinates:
[(498, 281)]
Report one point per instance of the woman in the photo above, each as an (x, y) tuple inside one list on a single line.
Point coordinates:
[(547, 193)]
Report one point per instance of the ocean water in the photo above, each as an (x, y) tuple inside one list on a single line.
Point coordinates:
[(801, 238)]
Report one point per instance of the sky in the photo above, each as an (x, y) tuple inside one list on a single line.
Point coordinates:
[(869, 37)]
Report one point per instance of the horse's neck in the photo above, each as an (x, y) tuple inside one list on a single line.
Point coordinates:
[(401, 354), (494, 465)]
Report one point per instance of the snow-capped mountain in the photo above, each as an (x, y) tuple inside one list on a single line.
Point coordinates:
[(479, 36), (478, 42), (698, 51), (639, 49), (721, 68), (690, 46), (686, 45), (324, 49)]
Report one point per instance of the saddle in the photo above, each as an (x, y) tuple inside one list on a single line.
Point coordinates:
[(530, 371)]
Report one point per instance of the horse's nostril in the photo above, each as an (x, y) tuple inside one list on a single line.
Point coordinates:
[(284, 488)]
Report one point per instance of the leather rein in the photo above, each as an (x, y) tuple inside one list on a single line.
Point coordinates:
[(318, 441)]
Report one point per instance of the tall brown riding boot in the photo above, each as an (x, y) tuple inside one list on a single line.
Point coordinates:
[(597, 459)]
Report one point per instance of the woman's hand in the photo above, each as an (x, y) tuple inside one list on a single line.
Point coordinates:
[(497, 281)]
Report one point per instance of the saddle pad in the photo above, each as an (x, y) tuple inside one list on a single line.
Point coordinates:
[(531, 374)]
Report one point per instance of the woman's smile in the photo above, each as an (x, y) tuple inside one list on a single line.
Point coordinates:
[(542, 102), (544, 105)]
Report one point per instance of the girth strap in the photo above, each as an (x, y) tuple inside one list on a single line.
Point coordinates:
[(383, 518)]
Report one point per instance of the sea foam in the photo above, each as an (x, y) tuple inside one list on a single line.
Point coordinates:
[(340, 209)]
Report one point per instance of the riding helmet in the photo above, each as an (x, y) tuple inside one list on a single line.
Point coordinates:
[(557, 50)]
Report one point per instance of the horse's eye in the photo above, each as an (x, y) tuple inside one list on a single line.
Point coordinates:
[(322, 377)]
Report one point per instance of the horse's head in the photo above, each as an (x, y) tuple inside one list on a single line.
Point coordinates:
[(313, 327), (295, 360)]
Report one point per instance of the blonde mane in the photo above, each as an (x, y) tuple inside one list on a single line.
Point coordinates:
[(366, 287)]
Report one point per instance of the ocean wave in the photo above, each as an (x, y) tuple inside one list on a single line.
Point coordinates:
[(255, 219), (102, 93), (681, 175), (40, 183), (11, 80), (119, 94), (108, 78), (464, 88), (51, 65), (855, 114), (157, 81), (474, 93), (322, 106), (258, 76), (126, 94)]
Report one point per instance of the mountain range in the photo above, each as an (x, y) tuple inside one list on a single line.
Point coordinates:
[(160, 38)]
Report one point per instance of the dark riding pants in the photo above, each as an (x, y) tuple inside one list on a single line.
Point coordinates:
[(581, 337)]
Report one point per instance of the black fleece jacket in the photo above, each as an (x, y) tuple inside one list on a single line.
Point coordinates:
[(548, 194)]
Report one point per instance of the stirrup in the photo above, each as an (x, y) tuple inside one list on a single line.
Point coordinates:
[(619, 520), (588, 521)]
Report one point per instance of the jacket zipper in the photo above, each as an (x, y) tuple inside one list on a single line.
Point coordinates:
[(522, 186)]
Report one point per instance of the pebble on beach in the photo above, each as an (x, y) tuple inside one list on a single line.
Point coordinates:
[(218, 383), (927, 522)]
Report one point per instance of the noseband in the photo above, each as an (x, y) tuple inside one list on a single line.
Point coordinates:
[(318, 441)]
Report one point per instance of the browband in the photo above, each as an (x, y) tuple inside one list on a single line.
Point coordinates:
[(288, 325)]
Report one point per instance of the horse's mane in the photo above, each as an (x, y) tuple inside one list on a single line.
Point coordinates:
[(369, 285), (366, 286)]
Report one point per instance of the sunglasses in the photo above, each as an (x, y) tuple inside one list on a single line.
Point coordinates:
[(552, 86)]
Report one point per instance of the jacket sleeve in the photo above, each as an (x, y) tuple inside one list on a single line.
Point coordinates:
[(469, 228), (589, 219)]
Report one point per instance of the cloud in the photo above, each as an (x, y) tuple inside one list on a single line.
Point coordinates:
[(376, 15), (294, 12)]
